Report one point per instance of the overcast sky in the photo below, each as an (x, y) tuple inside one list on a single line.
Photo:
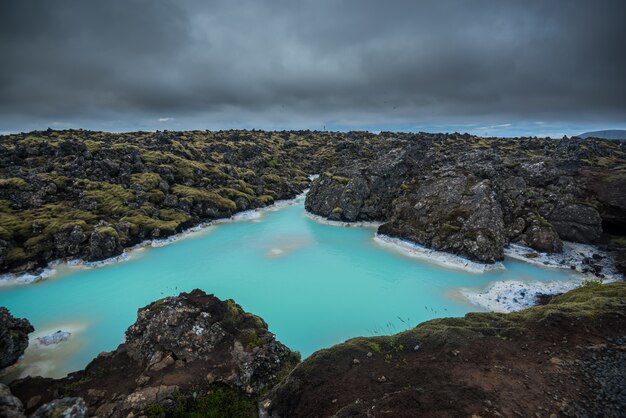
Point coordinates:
[(488, 67)]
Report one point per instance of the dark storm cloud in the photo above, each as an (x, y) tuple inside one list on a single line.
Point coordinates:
[(286, 63)]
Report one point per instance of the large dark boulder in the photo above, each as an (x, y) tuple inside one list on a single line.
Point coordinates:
[(104, 243), (10, 406), (457, 214), (182, 349), (577, 222), (13, 337), (363, 192)]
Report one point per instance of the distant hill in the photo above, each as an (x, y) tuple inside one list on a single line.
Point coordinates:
[(606, 134)]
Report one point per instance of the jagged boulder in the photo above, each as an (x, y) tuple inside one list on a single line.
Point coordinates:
[(181, 349), (577, 222), (104, 243), (455, 213), (362, 193), (13, 337), (10, 406), (196, 328)]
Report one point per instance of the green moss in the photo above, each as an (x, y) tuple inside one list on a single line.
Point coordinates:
[(147, 181), (108, 231), (337, 211), (619, 241), (53, 177), (5, 234), (271, 178), (112, 199), (174, 215), (341, 179), (196, 195), (16, 255), (13, 183), (374, 346), (233, 194), (220, 402), (253, 340), (141, 224)]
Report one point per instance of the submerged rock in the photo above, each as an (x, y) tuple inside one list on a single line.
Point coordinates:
[(54, 338), (13, 337)]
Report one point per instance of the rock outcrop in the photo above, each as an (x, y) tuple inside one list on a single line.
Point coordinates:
[(10, 406), (565, 358), (473, 196), (13, 337), (183, 351), (453, 214)]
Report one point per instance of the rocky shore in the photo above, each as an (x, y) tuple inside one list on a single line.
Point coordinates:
[(564, 359), (188, 352), (473, 197), (195, 355), (76, 194), (68, 195)]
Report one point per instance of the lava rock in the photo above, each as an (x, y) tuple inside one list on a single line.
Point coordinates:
[(13, 337), (65, 407), (10, 406)]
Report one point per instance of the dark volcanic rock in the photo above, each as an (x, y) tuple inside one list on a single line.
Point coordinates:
[(362, 193), (181, 348), (199, 328), (10, 406), (66, 408), (87, 195), (103, 243), (577, 222), (13, 337), (472, 196), (456, 214)]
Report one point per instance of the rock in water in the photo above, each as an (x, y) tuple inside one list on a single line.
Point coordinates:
[(13, 337), (54, 338), (181, 348)]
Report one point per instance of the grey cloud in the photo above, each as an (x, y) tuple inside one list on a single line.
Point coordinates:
[(287, 63)]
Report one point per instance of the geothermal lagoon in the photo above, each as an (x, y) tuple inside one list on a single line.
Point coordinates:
[(315, 285)]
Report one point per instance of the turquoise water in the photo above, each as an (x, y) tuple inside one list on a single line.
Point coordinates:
[(314, 284)]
